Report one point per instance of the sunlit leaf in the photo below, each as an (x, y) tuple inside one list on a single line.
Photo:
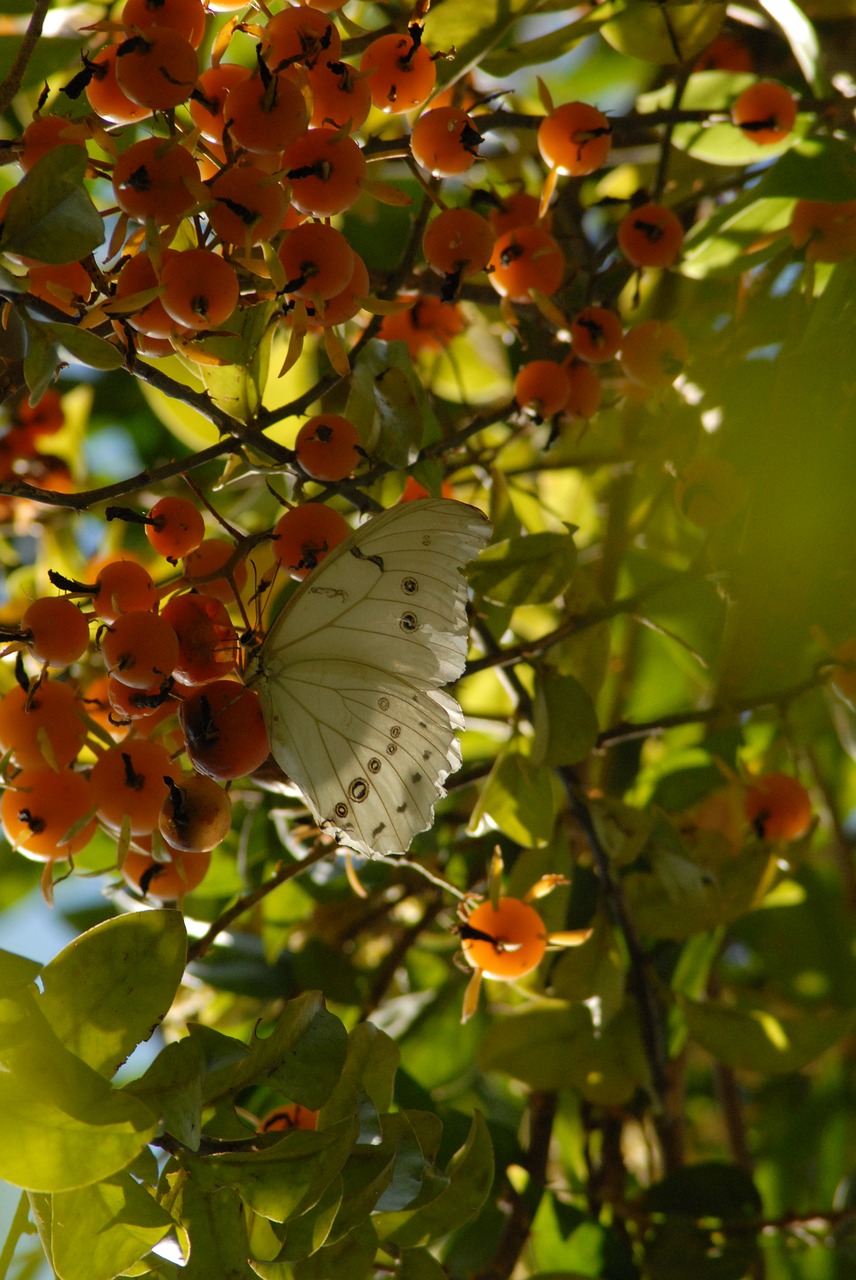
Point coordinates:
[(50, 216)]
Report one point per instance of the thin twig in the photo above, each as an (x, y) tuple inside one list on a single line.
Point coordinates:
[(14, 79)]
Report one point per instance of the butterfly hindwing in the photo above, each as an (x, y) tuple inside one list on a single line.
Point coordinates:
[(349, 675)]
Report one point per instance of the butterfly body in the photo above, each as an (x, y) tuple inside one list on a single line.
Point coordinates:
[(351, 673)]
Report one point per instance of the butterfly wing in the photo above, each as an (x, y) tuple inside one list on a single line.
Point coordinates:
[(350, 674)]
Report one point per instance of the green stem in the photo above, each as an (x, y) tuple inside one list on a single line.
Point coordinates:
[(16, 1230)]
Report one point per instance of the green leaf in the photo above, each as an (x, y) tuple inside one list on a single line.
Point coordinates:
[(565, 721), (284, 1179), (16, 971), (408, 1167), (348, 1259), (559, 1048), (533, 569), (802, 37), (63, 1125), (302, 1055), (470, 1176), (41, 362), (369, 1069), (216, 1224), (419, 1264), (108, 990), (86, 347), (50, 216), (593, 974), (97, 1232), (241, 352), (664, 31), (388, 404), (758, 1040), (172, 1087), (518, 798)]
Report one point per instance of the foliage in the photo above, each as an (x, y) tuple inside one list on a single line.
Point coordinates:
[(661, 630)]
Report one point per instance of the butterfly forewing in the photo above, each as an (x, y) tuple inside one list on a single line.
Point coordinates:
[(349, 674)]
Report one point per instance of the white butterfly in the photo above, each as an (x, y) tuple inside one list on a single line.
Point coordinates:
[(350, 674)]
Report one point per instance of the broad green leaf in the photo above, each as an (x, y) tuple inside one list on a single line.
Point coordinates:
[(97, 1232), (50, 216), (664, 32), (408, 1167), (370, 1066), (107, 990), (815, 169), (388, 404), (593, 974), (559, 1048), (309, 1232), (236, 367), (419, 1264), (519, 799), (758, 1040), (215, 1221), (546, 48), (802, 37), (348, 1259), (533, 569), (476, 29), (172, 1087), (16, 971), (41, 363), (735, 239), (284, 1179), (565, 721), (470, 1176), (63, 1125), (302, 1055), (86, 347)]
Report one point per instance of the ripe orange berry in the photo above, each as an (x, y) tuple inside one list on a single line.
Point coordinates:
[(284, 1119), (136, 281), (65, 285), (400, 71), (328, 447), (344, 305), (596, 333), (504, 943), (266, 116), (43, 135), (653, 353), (766, 112), (40, 807), (104, 93), (709, 492), (457, 244), (445, 141), (195, 813), (650, 236), (778, 807), (210, 556), (155, 178), (541, 387), (826, 229), (207, 640), (303, 536), (317, 259), (225, 730), (340, 95), (575, 138), (520, 209), (157, 69), (122, 586), (325, 169), (249, 205), (43, 727), (167, 878), (200, 288), (153, 704), (725, 53), (524, 259), (301, 34), (207, 107), (428, 325), (175, 527), (58, 633), (584, 390), (127, 782), (140, 649), (185, 16)]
